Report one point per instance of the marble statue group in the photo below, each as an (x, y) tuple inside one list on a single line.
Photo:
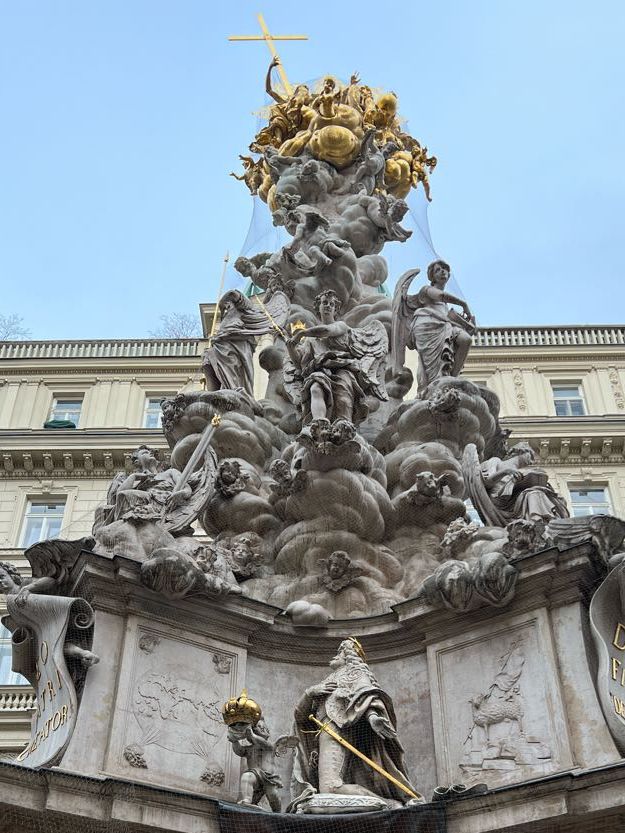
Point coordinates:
[(338, 493)]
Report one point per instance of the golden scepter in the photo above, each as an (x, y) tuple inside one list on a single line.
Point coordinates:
[(324, 727), (219, 294), (298, 325), (270, 318)]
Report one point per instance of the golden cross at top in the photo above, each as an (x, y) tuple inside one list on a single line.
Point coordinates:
[(269, 39)]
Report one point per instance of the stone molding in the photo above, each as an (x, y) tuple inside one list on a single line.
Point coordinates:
[(112, 585), (85, 452), (574, 800)]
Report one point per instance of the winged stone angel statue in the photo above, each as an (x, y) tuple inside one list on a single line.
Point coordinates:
[(332, 367), (423, 322), (503, 489)]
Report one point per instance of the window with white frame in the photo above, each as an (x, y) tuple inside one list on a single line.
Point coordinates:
[(568, 399), (66, 408), (7, 676), (153, 415), (590, 500), (42, 520)]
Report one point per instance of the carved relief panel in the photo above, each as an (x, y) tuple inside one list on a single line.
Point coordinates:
[(168, 727), (497, 707)]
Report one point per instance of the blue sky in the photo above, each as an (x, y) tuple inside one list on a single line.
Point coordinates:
[(121, 121)]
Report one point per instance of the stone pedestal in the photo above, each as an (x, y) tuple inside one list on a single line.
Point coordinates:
[(495, 696)]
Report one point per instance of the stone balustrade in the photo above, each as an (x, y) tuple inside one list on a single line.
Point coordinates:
[(562, 336), (17, 698), (550, 336), (100, 349)]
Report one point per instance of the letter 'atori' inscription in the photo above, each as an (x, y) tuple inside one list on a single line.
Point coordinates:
[(51, 647), (607, 622)]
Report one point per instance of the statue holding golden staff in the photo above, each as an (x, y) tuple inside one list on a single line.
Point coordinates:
[(228, 362), (350, 701), (424, 322)]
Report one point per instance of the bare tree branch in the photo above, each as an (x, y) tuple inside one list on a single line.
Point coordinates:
[(177, 325), (12, 329)]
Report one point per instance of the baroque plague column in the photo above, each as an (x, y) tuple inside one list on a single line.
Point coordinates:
[(328, 519)]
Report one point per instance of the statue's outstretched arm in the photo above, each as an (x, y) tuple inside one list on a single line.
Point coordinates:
[(268, 88), (452, 299)]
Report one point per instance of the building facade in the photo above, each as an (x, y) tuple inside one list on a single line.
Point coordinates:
[(71, 412)]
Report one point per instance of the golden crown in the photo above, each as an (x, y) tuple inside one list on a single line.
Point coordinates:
[(358, 648), (241, 709)]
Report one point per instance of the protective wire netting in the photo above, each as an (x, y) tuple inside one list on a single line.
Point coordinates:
[(418, 251), (172, 766), (159, 788)]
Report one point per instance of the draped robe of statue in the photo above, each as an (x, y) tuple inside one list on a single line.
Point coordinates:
[(322, 764), (531, 498), (425, 323), (228, 362)]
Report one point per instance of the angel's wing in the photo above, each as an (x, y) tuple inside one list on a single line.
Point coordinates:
[(401, 315), (284, 744), (279, 307), (177, 519), (472, 473), (370, 345), (606, 531), (258, 318), (55, 558)]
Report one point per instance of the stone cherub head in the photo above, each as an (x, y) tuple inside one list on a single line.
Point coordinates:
[(327, 305), (439, 273), (340, 571), (10, 579), (230, 478), (428, 484), (144, 459)]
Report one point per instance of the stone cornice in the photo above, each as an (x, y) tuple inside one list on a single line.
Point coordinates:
[(588, 440), (543, 358), (574, 800), (94, 371), (113, 585), (98, 452), (79, 453)]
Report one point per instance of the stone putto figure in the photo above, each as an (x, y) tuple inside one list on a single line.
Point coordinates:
[(249, 736), (424, 322), (351, 701), (334, 367)]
